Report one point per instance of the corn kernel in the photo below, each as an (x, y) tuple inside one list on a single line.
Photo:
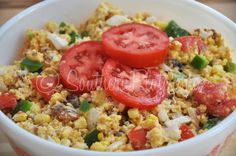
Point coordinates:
[(100, 136), (66, 132), (65, 142), (80, 123), (42, 118), (133, 113), (150, 122), (97, 146), (21, 116)]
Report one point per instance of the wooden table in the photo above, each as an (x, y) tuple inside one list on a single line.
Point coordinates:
[(9, 8)]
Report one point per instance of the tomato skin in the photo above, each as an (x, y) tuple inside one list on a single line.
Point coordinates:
[(138, 139), (81, 67), (191, 42), (127, 85), (8, 102), (186, 133), (45, 86), (215, 97), (131, 55)]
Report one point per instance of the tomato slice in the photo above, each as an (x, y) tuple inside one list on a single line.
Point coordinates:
[(137, 45), (140, 88), (215, 97), (8, 102), (45, 86), (138, 139), (186, 133), (191, 42), (81, 67)]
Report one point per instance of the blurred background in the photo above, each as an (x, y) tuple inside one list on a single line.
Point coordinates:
[(9, 8)]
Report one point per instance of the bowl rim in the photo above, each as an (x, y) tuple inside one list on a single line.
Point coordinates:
[(210, 133)]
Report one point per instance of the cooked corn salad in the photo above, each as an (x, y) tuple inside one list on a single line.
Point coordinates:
[(196, 90)]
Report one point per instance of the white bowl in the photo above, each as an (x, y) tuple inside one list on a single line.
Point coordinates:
[(189, 14)]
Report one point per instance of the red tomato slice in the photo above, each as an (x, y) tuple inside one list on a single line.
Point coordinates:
[(140, 88), (81, 67), (186, 133), (8, 102), (137, 45), (222, 109), (191, 42), (138, 139), (45, 86), (215, 97), (210, 93)]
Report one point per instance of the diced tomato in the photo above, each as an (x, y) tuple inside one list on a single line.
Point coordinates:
[(138, 139), (191, 42), (210, 93), (136, 45), (215, 97), (8, 102), (222, 109), (45, 86), (140, 88), (186, 132), (81, 67)]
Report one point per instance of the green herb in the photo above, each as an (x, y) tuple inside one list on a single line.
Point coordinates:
[(211, 123), (73, 37), (23, 105), (91, 137), (84, 34), (62, 25), (174, 30), (85, 106), (230, 67), (62, 28), (199, 62), (32, 66)]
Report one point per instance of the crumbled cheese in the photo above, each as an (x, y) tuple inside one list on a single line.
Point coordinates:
[(92, 117), (117, 20), (173, 132), (162, 114), (115, 145), (151, 19), (178, 121), (57, 41)]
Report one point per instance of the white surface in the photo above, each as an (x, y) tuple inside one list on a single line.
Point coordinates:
[(187, 13)]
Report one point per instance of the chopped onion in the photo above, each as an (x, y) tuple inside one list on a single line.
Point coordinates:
[(115, 145), (57, 41)]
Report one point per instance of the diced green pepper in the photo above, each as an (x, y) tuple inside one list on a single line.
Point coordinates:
[(173, 30), (32, 66), (84, 34), (230, 67), (85, 106), (62, 28), (73, 37), (199, 62), (24, 106), (62, 25), (211, 123), (91, 137)]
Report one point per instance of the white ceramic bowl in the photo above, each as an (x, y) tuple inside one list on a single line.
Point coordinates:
[(188, 13)]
